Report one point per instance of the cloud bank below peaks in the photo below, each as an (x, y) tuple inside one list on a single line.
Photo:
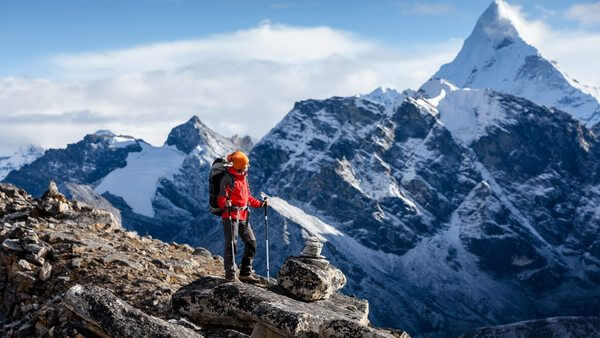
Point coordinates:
[(241, 82)]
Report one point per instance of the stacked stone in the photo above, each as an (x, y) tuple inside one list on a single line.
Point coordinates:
[(310, 276)]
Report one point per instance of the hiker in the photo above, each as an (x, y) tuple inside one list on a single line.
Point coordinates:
[(233, 199)]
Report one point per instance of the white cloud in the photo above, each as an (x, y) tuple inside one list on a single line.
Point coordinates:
[(425, 8), (432, 8), (587, 14), (243, 82)]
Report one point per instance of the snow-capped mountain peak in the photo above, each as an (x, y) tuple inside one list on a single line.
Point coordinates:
[(386, 96), (194, 135), (495, 56), (492, 51), (498, 23), (109, 139), (104, 132), (19, 157)]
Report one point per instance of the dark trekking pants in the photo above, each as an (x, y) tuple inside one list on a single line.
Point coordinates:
[(244, 230)]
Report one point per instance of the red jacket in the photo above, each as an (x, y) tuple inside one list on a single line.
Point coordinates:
[(239, 195)]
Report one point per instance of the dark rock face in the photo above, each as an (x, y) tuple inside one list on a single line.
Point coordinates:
[(596, 129), (85, 162), (111, 316), (558, 327), (361, 174), (189, 135), (550, 164)]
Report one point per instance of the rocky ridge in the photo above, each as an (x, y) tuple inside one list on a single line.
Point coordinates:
[(70, 270), (51, 244)]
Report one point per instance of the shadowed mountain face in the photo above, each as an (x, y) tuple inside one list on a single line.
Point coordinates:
[(556, 327), (505, 207)]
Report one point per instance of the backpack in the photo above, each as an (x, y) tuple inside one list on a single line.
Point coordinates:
[(218, 170)]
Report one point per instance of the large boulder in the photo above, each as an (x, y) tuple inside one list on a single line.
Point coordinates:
[(310, 276), (108, 315), (211, 301), (310, 279)]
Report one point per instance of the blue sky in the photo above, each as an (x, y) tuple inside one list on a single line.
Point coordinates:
[(32, 30), (68, 68)]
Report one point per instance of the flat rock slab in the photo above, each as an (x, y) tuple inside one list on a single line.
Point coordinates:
[(340, 328), (108, 315), (212, 301)]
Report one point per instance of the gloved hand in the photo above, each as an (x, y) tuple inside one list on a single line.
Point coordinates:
[(265, 203)]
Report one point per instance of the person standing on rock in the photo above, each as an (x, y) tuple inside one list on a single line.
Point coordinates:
[(234, 198)]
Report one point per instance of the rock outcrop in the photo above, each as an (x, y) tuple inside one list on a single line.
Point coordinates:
[(49, 245), (269, 312), (213, 301), (104, 313), (310, 276)]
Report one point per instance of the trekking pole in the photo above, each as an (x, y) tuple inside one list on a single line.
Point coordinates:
[(232, 245), (267, 240)]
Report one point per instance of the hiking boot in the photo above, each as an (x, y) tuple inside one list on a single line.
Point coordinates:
[(233, 279), (251, 278)]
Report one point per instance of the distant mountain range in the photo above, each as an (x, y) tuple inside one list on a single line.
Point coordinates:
[(448, 208), (15, 159)]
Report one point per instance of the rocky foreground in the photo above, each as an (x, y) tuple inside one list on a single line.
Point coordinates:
[(69, 270)]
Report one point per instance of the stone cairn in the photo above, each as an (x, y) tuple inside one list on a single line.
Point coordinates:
[(310, 276)]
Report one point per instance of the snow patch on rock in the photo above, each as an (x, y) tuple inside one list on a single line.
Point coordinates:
[(137, 182)]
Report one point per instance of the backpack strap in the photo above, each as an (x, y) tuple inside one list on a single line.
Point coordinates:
[(228, 175)]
